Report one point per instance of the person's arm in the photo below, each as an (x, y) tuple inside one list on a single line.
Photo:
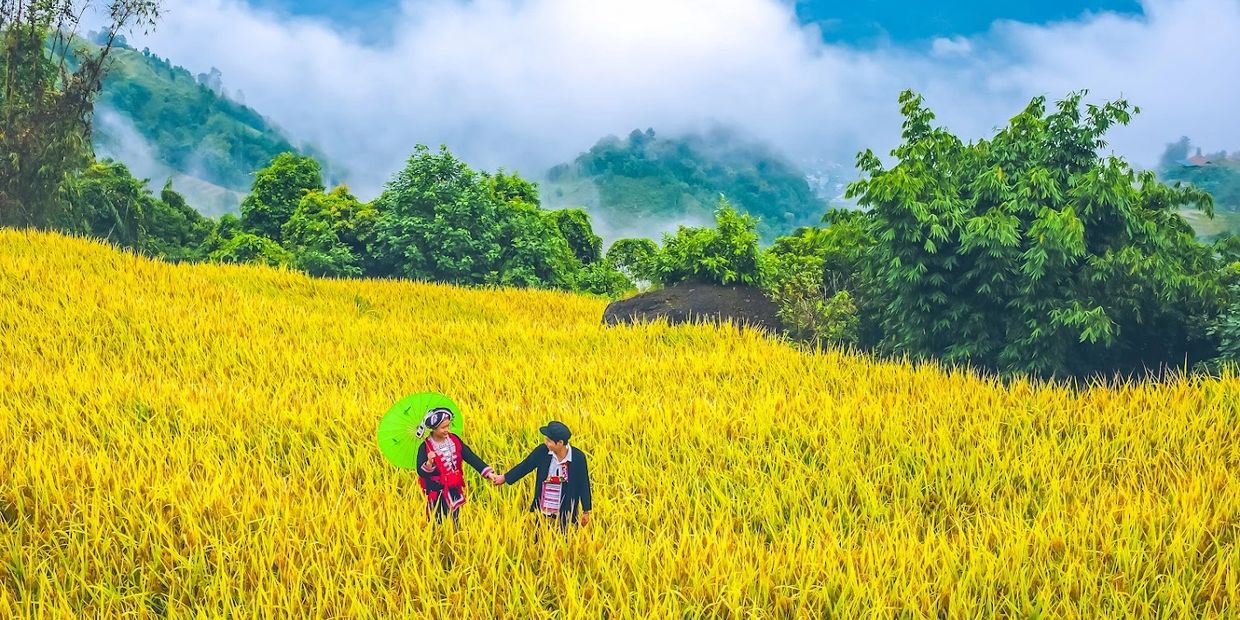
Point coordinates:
[(426, 468), (587, 500), (526, 466), (474, 461)]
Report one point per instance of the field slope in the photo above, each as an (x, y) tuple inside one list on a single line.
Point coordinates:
[(198, 440)]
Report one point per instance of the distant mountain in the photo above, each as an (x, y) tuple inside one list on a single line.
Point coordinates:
[(644, 184), (164, 122)]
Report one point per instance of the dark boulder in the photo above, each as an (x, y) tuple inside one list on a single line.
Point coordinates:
[(698, 303)]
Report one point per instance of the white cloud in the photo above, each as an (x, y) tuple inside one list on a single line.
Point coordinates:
[(529, 83), (953, 46)]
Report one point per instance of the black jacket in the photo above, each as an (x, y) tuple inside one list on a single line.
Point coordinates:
[(577, 497), (466, 455)]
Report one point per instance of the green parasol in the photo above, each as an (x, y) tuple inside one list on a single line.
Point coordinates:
[(398, 430)]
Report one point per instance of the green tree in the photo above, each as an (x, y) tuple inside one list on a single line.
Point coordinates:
[(726, 254), (534, 253), (112, 205), (176, 230), (277, 191), (601, 279), (634, 258), (1227, 330), (437, 221), (47, 94), (812, 316), (224, 229), (836, 252), (247, 247), (814, 275), (574, 225), (1030, 252), (327, 233), (511, 188)]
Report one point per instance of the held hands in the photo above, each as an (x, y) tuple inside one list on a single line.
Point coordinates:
[(496, 479)]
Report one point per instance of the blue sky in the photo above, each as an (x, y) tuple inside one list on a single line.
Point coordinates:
[(903, 21), (856, 22)]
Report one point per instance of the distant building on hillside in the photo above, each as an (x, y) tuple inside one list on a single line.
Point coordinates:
[(1197, 161)]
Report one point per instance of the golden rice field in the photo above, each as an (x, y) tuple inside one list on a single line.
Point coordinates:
[(198, 441)]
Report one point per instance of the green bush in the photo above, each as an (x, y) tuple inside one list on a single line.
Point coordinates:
[(635, 258), (250, 248), (726, 254)]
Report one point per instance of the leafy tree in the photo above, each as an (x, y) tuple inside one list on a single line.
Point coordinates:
[(176, 231), (112, 204), (726, 254), (1030, 252), (534, 253), (511, 188), (46, 103), (574, 225), (277, 191), (247, 247), (1225, 327), (812, 316), (227, 227), (327, 233), (814, 276), (635, 258), (437, 221), (1227, 330), (1227, 248), (601, 279), (836, 252)]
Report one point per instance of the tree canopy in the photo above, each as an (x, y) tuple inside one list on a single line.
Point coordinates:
[(1030, 251)]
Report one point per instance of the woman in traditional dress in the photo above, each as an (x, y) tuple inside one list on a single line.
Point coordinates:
[(439, 466)]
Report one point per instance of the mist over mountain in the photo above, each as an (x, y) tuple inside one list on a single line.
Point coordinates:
[(528, 84), (647, 183), (164, 122)]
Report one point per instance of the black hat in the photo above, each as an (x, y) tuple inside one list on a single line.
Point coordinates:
[(556, 431)]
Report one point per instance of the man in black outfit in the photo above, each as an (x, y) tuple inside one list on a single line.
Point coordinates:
[(562, 484)]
